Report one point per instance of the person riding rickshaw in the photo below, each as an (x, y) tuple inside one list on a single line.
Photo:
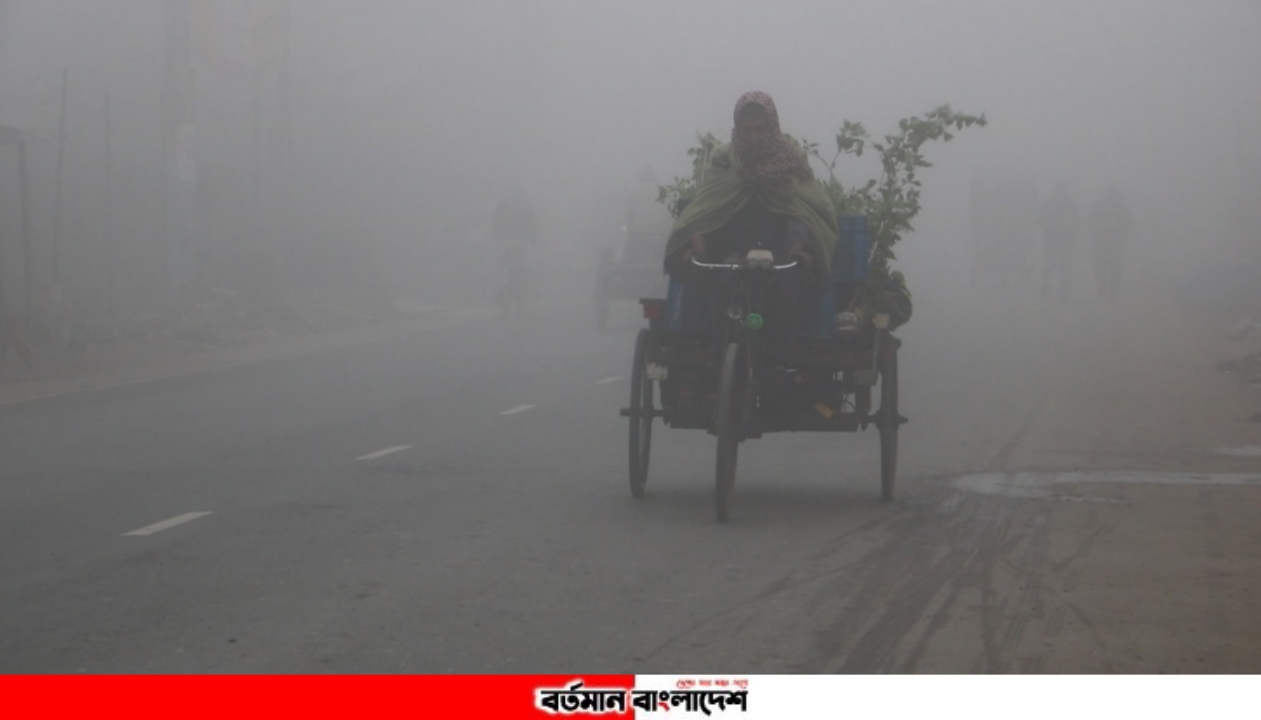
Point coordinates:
[(758, 192)]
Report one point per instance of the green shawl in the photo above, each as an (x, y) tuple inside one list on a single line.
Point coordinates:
[(722, 193)]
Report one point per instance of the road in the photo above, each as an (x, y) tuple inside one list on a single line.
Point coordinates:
[(497, 534)]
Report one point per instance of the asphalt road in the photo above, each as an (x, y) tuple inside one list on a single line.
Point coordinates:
[(498, 534)]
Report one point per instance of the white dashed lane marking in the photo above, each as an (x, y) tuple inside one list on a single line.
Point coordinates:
[(517, 409), (383, 453), (167, 524), (608, 380)]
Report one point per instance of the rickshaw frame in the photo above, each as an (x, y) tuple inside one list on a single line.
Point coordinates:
[(731, 384)]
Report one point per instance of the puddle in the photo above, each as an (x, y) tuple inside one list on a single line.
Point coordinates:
[(1245, 451), (1089, 499), (1041, 484)]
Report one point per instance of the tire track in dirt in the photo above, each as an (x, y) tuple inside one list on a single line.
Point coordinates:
[(900, 582), (1030, 601), (1215, 548), (903, 582), (992, 608), (972, 576), (1097, 636), (1070, 569), (1000, 460), (860, 616), (820, 568), (1098, 532)]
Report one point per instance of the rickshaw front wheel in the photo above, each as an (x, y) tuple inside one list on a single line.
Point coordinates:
[(727, 426)]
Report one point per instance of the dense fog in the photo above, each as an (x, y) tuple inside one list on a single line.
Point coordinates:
[(320, 349), (354, 152)]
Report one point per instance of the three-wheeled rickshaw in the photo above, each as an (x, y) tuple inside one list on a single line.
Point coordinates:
[(706, 361)]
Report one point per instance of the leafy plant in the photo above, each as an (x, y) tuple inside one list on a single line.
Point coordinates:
[(893, 200), (890, 202), (685, 188)]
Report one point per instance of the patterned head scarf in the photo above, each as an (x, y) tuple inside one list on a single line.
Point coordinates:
[(766, 156)]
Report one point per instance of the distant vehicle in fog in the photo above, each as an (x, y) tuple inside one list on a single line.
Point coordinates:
[(636, 272)]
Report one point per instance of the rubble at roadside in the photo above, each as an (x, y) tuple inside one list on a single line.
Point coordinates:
[(1225, 300), (1247, 367)]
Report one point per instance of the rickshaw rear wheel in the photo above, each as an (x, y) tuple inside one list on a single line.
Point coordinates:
[(890, 420), (641, 409)]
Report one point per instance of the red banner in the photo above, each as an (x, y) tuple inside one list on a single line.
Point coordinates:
[(184, 697)]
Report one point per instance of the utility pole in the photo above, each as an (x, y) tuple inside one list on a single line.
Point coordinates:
[(164, 151), (179, 141), (256, 149), (61, 146), (1241, 213), (28, 258), (284, 198), (109, 220)]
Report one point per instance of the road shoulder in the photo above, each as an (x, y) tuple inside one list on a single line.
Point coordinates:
[(137, 366)]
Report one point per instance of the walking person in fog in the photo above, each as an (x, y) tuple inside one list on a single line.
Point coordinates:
[(1109, 224), (1061, 228)]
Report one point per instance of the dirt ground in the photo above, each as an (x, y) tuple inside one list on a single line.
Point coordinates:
[(1136, 547)]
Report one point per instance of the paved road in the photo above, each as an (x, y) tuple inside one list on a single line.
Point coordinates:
[(498, 534)]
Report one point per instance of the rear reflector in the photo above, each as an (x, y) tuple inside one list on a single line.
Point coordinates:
[(654, 308)]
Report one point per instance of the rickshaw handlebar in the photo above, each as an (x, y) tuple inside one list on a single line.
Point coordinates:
[(741, 266)]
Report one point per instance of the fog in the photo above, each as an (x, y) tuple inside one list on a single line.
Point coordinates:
[(361, 147), (259, 411)]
